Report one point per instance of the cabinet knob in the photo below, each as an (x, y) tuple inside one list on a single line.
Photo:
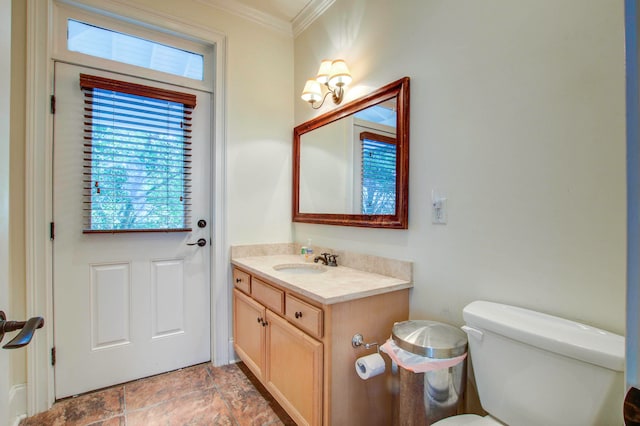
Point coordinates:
[(265, 323), (298, 314), (238, 280), (260, 320)]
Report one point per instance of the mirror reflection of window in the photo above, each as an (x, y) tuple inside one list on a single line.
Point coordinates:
[(375, 131), (378, 181)]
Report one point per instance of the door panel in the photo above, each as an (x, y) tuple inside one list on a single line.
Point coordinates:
[(110, 305), (126, 305), (168, 287)]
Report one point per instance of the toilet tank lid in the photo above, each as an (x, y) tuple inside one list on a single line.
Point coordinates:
[(554, 334)]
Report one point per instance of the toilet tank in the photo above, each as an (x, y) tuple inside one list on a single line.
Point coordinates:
[(537, 369)]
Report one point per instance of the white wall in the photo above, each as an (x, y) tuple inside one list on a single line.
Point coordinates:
[(517, 118), (260, 117)]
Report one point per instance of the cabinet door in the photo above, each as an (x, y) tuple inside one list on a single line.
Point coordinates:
[(294, 370), (249, 325)]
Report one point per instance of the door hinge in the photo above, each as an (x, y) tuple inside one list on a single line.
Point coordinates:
[(53, 356), (53, 104), (52, 231)]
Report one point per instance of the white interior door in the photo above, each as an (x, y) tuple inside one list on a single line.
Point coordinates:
[(126, 305)]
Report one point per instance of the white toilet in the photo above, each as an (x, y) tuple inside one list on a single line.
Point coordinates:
[(537, 369)]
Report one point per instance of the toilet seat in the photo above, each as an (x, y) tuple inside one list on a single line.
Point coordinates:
[(468, 420)]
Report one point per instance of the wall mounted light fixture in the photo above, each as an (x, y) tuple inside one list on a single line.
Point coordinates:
[(334, 75)]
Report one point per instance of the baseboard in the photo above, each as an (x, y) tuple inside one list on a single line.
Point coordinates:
[(233, 357), (17, 404)]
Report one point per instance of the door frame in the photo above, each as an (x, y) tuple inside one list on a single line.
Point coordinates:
[(632, 37), (5, 108), (39, 185)]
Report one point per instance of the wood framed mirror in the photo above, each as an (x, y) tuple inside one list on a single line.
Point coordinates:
[(351, 165)]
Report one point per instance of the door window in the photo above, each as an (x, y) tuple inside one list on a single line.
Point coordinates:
[(137, 157)]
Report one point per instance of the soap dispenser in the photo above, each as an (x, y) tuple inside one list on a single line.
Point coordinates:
[(307, 251)]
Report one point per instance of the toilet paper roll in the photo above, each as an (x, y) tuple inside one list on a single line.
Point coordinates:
[(369, 366)]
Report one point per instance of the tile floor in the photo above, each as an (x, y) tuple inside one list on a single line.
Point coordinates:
[(198, 395)]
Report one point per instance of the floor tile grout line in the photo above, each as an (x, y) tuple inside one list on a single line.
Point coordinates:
[(124, 403), (224, 399)]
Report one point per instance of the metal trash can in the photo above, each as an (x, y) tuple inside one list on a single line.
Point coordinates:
[(432, 361)]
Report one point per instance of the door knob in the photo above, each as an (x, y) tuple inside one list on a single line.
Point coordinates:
[(27, 329), (200, 243)]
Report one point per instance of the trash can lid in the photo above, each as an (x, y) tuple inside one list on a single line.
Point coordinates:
[(430, 338)]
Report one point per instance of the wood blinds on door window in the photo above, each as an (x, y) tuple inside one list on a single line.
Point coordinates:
[(137, 157)]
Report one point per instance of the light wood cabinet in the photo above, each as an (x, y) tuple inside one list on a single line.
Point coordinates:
[(294, 370), (301, 350), (248, 331)]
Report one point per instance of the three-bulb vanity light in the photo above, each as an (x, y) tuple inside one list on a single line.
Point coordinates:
[(334, 75)]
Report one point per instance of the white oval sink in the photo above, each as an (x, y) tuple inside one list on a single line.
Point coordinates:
[(300, 268)]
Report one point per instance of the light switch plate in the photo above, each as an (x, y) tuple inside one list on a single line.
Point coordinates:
[(438, 209)]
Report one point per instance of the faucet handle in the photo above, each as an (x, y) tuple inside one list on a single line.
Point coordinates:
[(332, 260)]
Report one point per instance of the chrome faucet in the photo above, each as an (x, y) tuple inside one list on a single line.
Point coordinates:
[(327, 258)]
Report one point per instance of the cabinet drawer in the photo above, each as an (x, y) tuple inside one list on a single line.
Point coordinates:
[(304, 315), (242, 280), (269, 296)]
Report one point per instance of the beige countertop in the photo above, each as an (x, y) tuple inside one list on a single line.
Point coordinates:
[(335, 285)]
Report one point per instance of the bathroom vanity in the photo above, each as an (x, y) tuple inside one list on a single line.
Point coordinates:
[(293, 326)]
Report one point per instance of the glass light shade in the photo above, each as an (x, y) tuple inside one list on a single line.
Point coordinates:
[(324, 72), (312, 91), (340, 75)]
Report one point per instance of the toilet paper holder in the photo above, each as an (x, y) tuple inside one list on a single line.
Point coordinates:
[(358, 340)]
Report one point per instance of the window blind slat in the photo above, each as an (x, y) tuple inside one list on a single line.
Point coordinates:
[(133, 102), (159, 160), (109, 128), (164, 151), (126, 109), (95, 82)]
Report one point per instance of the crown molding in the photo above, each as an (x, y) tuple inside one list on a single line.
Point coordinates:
[(236, 8), (309, 14)]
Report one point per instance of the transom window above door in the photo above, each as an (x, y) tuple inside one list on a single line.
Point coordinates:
[(128, 49)]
